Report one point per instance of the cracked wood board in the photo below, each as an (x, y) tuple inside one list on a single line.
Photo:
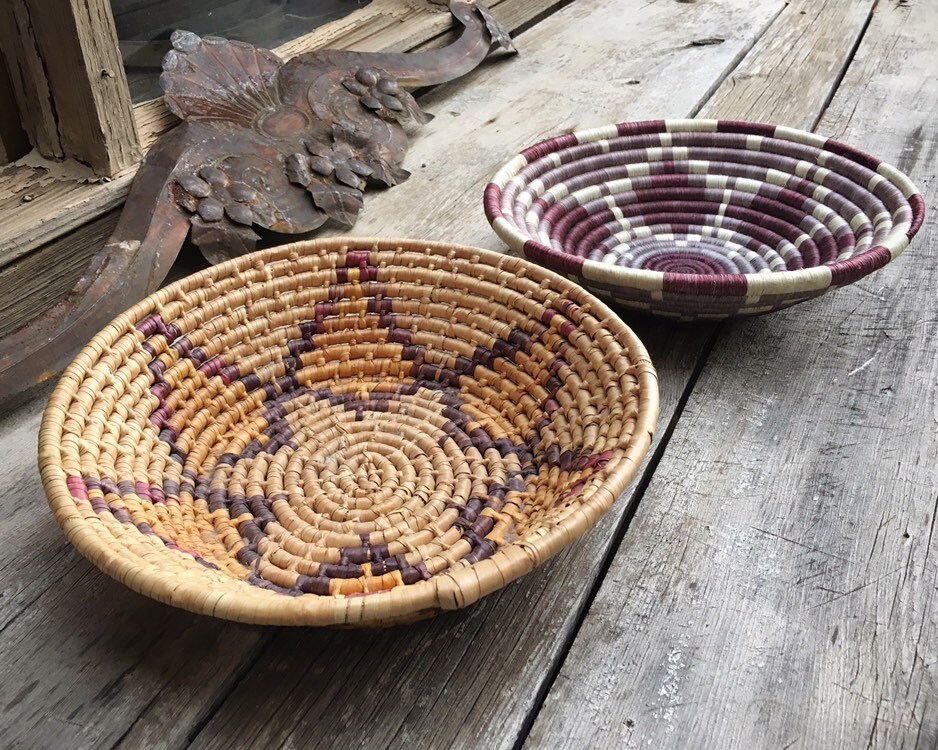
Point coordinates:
[(131, 671), (776, 587), (790, 75)]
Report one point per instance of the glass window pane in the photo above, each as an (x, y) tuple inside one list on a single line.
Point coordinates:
[(144, 26)]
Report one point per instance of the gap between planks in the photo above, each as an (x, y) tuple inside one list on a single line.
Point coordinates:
[(843, 655), (700, 363), (724, 102), (218, 732), (641, 484)]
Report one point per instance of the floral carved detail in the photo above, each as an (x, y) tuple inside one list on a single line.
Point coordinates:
[(264, 144), (298, 143)]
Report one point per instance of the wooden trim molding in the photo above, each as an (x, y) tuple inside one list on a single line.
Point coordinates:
[(381, 26), (69, 81)]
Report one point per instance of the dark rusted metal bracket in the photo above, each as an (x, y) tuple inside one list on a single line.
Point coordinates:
[(285, 146)]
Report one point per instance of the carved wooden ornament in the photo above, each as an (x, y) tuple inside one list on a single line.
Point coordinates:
[(284, 146)]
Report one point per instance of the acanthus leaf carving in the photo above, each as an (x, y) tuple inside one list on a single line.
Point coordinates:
[(283, 146)]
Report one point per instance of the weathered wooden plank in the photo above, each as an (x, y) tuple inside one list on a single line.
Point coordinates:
[(70, 82), (472, 679), (39, 280), (42, 200), (28, 79), (791, 73), (777, 585)]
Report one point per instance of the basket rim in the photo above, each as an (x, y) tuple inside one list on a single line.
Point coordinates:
[(789, 283), (449, 590)]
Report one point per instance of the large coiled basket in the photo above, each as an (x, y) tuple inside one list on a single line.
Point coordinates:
[(346, 432), (704, 219)]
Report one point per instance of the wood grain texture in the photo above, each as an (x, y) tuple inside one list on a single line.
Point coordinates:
[(777, 585), (37, 281), (13, 140), (72, 90), (44, 200), (791, 74), (127, 675), (27, 77)]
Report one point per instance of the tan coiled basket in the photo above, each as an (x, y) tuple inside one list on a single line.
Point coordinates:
[(346, 432)]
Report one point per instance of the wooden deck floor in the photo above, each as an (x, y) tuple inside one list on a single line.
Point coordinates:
[(768, 581)]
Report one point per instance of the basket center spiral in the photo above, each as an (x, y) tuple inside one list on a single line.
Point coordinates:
[(364, 490), (702, 202)]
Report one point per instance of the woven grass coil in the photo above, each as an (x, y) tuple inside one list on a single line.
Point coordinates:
[(346, 432), (704, 219)]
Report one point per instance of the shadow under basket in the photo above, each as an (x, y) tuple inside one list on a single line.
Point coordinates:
[(346, 432), (704, 219)]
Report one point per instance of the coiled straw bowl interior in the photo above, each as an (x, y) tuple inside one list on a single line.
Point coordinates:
[(346, 432), (704, 219)]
